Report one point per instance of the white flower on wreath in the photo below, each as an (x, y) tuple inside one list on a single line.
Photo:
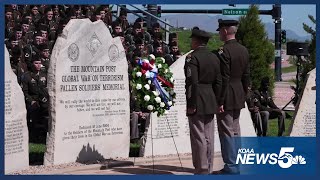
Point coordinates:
[(149, 81), (171, 92), (159, 66), (163, 60), (170, 103), (146, 98), (150, 107), (139, 86), (145, 60), (147, 86), (157, 99), (166, 112), (138, 74), (162, 104), (166, 71), (151, 56), (171, 79), (155, 93)]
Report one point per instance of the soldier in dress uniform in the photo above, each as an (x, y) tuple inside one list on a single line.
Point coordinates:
[(234, 61), (34, 87), (203, 83), (267, 104)]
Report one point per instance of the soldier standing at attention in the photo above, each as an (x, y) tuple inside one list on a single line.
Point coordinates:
[(234, 61), (203, 83)]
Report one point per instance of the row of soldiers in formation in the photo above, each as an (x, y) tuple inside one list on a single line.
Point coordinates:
[(31, 32)]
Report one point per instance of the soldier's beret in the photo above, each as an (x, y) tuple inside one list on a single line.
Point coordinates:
[(158, 35), (195, 27), (115, 24), (16, 52), (47, 9), (12, 37), (43, 27), (200, 33), (8, 9), (44, 47), (139, 41), (36, 57), (136, 25), (77, 7), (32, 6), (173, 43), (156, 44), (38, 33), (139, 20), (227, 23), (173, 35), (25, 21), (18, 27), (156, 25), (123, 12)]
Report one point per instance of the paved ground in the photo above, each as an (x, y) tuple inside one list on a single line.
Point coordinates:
[(283, 94), (168, 165), (283, 91)]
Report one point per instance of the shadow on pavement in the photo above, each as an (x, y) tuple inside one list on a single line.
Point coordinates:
[(149, 169)]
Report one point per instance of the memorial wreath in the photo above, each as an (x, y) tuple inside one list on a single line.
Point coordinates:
[(152, 84)]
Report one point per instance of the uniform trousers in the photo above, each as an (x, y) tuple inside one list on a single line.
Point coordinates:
[(260, 120), (229, 130), (202, 141)]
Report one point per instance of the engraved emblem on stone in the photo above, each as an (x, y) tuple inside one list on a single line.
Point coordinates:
[(94, 44), (113, 53), (73, 52)]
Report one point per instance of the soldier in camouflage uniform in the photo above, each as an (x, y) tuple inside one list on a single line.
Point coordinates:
[(267, 104), (34, 86)]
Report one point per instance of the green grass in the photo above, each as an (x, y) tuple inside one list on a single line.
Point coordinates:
[(289, 69), (273, 126), (36, 153), (185, 41)]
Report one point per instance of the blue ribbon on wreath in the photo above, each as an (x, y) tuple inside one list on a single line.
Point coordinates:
[(151, 73)]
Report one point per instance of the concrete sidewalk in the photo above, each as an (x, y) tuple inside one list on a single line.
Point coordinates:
[(163, 165)]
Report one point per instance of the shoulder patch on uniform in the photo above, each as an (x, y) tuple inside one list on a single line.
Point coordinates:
[(43, 79), (188, 58), (220, 50)]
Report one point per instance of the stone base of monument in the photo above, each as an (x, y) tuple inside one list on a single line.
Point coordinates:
[(110, 163)]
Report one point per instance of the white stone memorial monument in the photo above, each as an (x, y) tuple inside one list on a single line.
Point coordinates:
[(304, 124), (89, 96), (16, 147)]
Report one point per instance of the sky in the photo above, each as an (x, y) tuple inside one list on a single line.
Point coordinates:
[(293, 15)]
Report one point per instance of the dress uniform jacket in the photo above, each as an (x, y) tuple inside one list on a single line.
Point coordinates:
[(203, 81), (235, 75)]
